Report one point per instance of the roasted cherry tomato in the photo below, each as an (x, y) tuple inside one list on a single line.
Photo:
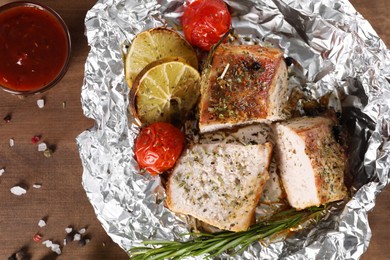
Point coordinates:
[(205, 22), (158, 146)]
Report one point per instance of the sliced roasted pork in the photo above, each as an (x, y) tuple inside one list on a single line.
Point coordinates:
[(310, 161), (219, 184), (251, 134), (245, 84)]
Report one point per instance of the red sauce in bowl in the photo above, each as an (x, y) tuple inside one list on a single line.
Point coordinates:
[(35, 48)]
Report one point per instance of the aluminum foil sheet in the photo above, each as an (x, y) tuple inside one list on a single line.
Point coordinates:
[(339, 52)]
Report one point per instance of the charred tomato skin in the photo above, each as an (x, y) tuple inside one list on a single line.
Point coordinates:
[(158, 146), (205, 22)]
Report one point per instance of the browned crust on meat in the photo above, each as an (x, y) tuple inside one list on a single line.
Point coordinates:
[(327, 157), (242, 94)]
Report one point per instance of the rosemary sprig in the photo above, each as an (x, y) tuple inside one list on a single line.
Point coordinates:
[(216, 243)]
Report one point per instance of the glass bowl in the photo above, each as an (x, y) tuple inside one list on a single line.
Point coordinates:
[(36, 48)]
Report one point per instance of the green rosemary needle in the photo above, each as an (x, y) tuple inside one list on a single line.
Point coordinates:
[(215, 244)]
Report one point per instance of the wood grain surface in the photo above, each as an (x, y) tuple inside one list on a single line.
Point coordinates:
[(61, 200)]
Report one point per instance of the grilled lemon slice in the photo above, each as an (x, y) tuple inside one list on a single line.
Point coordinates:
[(166, 90), (155, 44)]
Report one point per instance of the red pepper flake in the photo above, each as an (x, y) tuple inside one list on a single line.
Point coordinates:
[(7, 118), (37, 238), (35, 139)]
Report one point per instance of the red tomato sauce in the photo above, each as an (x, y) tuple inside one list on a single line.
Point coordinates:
[(33, 48)]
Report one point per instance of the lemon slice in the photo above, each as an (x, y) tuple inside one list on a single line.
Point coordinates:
[(155, 44), (166, 90)]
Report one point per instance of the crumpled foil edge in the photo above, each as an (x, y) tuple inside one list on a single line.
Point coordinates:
[(350, 57)]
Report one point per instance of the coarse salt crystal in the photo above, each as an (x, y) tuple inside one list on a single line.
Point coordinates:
[(11, 142), (42, 147), (54, 247), (83, 242), (37, 185), (41, 103), (64, 241), (18, 191), (82, 231), (41, 223), (68, 230), (77, 237), (57, 250), (2, 171), (47, 243)]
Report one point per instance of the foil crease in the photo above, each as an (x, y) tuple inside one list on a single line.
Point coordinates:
[(338, 52)]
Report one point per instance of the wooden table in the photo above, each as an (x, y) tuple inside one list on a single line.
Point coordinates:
[(61, 200)]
